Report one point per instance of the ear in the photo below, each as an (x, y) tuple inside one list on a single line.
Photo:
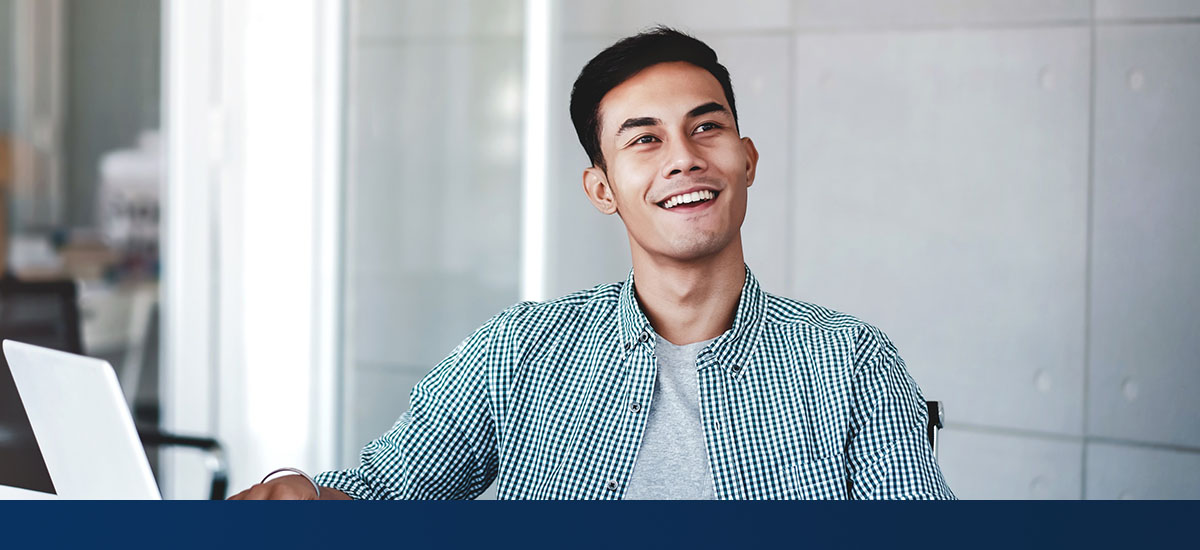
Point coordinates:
[(751, 160), (598, 190)]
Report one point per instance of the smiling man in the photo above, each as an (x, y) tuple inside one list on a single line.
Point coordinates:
[(685, 381)]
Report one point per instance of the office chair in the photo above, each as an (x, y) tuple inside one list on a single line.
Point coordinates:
[(936, 421), (36, 313), (46, 313)]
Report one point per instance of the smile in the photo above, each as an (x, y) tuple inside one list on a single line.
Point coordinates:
[(695, 197)]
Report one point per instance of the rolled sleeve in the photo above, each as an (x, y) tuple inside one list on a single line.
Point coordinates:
[(889, 453), (443, 447)]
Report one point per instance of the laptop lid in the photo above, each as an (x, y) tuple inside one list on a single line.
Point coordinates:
[(82, 424)]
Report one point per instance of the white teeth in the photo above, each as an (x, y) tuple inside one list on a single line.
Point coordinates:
[(686, 198)]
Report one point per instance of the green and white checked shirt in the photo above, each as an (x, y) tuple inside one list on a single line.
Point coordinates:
[(550, 400)]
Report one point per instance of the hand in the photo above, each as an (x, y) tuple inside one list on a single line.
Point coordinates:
[(290, 487)]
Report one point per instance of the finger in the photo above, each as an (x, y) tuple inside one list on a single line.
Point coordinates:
[(249, 494)]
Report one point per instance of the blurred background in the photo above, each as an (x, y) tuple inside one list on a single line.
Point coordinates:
[(277, 216)]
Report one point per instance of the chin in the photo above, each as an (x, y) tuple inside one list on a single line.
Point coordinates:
[(697, 247)]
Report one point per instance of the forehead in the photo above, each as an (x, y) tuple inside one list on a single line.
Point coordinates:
[(664, 91)]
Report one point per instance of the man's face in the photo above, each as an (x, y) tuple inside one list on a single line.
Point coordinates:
[(677, 171)]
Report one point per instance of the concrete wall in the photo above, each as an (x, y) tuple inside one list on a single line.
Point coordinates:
[(433, 192), (1007, 188)]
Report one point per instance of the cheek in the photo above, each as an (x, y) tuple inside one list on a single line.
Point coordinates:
[(635, 168), (731, 160), (629, 184)]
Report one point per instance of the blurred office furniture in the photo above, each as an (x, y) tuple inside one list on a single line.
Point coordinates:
[(936, 421), (46, 313), (128, 203), (117, 322), (32, 257), (6, 176)]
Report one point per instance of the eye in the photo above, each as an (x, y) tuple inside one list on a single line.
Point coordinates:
[(644, 139), (706, 127)]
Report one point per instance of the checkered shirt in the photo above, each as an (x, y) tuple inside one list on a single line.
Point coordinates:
[(550, 400)]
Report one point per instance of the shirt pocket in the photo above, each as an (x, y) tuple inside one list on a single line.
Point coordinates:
[(820, 479)]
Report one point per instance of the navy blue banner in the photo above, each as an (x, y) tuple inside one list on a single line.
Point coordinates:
[(594, 524)]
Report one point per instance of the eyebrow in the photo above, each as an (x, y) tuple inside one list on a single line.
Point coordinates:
[(638, 122), (709, 107)]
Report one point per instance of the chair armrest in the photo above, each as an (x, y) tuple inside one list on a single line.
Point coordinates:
[(937, 420), (937, 415), (216, 455)]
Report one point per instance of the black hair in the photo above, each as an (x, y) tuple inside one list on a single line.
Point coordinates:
[(622, 61)]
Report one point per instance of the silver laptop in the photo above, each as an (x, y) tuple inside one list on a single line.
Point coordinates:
[(82, 425)]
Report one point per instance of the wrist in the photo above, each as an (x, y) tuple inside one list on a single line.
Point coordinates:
[(296, 472)]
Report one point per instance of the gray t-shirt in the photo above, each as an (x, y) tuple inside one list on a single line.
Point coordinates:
[(672, 463)]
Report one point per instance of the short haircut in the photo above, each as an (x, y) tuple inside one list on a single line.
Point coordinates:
[(622, 61)]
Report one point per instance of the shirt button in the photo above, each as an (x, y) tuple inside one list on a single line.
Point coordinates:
[(627, 344), (736, 369), (635, 407), (644, 337), (612, 485)]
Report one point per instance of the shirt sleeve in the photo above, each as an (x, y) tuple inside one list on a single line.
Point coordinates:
[(444, 446), (889, 455)]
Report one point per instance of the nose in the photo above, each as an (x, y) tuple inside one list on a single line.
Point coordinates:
[(683, 158)]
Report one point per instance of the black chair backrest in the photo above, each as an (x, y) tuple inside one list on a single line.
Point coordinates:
[(43, 314)]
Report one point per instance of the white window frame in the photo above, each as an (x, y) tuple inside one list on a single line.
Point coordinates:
[(252, 224)]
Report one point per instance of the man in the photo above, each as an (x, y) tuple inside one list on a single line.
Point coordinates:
[(685, 381)]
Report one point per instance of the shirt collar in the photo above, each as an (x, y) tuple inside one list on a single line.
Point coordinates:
[(731, 350)]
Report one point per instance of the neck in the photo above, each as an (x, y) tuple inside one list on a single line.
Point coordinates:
[(690, 301)]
